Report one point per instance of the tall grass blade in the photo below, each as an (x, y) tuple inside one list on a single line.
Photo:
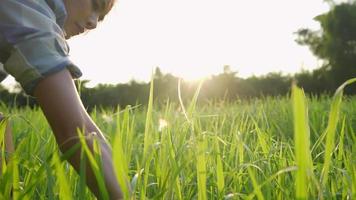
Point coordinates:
[(191, 108), (331, 129), (257, 189), (94, 163), (301, 142), (3, 124), (147, 136), (120, 165), (201, 167), (181, 101), (199, 140), (15, 178), (148, 140), (64, 186), (82, 174), (219, 168)]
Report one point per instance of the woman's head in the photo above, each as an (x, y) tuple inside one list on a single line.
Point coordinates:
[(84, 15)]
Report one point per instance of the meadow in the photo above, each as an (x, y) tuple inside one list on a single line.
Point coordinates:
[(290, 147)]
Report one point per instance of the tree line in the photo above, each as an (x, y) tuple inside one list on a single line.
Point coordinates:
[(334, 44)]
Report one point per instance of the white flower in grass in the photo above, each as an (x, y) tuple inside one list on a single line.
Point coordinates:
[(162, 123), (230, 196), (107, 118)]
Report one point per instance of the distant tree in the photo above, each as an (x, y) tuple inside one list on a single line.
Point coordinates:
[(222, 86), (15, 98), (165, 86), (335, 43), (158, 73), (271, 84)]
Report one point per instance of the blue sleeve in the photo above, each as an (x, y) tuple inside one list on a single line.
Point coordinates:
[(37, 44)]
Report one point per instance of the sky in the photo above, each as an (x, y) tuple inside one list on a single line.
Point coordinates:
[(193, 39)]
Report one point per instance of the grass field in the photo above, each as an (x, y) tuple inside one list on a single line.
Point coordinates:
[(272, 148)]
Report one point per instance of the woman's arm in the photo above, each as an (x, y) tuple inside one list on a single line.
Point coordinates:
[(60, 102)]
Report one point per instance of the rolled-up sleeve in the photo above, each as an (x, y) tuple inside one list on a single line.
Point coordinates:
[(37, 44)]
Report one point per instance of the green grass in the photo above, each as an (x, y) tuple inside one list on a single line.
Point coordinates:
[(293, 147)]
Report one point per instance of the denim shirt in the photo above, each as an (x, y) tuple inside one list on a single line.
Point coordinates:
[(32, 41)]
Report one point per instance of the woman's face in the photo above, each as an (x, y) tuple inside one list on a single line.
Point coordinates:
[(82, 15)]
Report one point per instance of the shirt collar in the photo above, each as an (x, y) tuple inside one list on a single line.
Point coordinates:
[(59, 10)]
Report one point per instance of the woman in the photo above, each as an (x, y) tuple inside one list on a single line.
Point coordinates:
[(33, 49)]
